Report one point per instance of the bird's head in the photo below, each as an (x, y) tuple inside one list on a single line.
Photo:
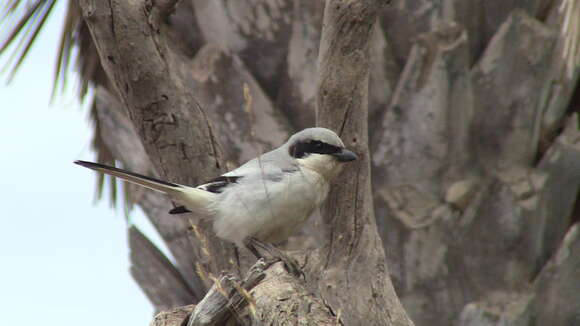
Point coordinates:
[(321, 150)]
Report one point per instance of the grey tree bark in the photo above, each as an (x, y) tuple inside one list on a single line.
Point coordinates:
[(460, 111)]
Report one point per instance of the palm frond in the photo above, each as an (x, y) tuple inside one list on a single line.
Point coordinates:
[(88, 62), (104, 156), (23, 21), (66, 45), (32, 18), (28, 19)]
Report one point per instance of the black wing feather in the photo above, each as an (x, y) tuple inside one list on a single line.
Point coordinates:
[(179, 210), (218, 184)]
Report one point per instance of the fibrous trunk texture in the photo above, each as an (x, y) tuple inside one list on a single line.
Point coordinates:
[(465, 193)]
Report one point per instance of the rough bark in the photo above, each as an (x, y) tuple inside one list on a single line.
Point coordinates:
[(277, 298), (473, 152), (148, 77), (227, 298), (501, 309), (424, 136), (560, 163), (281, 299), (174, 129), (496, 13), (498, 131), (121, 139), (383, 75), (464, 215), (183, 29), (274, 297), (351, 272), (562, 84), (551, 300), (404, 20), (557, 287), (420, 159), (257, 31), (247, 126), (297, 94), (173, 317)]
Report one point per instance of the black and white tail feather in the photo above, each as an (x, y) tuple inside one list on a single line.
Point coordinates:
[(192, 197)]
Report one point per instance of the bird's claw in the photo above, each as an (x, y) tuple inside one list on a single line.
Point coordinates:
[(290, 264), (274, 255)]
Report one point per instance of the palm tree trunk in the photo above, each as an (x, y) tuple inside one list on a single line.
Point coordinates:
[(460, 111)]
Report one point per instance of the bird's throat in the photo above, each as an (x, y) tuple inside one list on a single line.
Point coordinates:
[(325, 165)]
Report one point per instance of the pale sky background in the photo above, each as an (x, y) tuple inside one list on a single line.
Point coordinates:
[(64, 260)]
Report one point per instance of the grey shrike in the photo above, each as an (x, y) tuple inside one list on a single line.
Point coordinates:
[(265, 200)]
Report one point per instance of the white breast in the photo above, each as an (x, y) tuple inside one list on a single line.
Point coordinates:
[(270, 210)]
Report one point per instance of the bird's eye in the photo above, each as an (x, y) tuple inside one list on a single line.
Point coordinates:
[(317, 144)]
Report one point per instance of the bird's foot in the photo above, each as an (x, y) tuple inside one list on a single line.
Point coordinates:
[(274, 255)]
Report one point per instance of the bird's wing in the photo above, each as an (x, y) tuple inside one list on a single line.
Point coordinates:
[(256, 169), (262, 167), (271, 163), (218, 184)]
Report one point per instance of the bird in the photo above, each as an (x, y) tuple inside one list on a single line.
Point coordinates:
[(267, 199)]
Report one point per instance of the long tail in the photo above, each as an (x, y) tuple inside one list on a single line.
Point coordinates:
[(192, 197)]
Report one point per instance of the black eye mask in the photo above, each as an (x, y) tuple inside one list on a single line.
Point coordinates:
[(302, 149)]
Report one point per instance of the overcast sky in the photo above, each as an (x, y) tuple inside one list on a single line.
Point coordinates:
[(64, 261)]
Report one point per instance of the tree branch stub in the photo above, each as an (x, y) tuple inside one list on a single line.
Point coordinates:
[(352, 271)]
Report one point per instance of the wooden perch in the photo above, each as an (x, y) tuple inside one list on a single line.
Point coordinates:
[(173, 317), (282, 299), (267, 295), (227, 298)]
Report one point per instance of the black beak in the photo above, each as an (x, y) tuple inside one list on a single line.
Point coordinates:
[(345, 155)]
